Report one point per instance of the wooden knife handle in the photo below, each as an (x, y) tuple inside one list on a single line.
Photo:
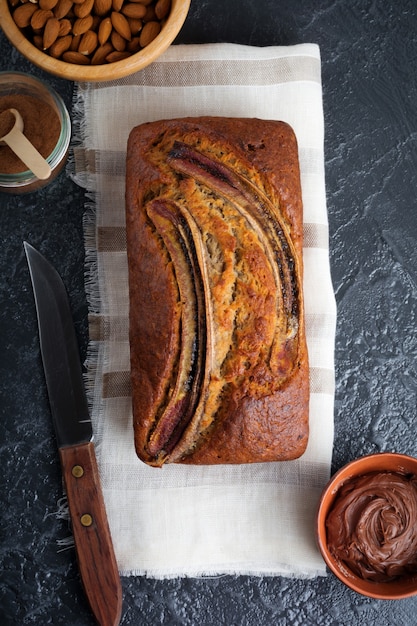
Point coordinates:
[(97, 563)]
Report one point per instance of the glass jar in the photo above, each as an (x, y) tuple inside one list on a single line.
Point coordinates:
[(54, 132)]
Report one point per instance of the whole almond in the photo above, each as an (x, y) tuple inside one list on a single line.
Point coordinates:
[(71, 56), (117, 56), (83, 9), (135, 25), (61, 45), (88, 43), (149, 32), (99, 56), (47, 5), (22, 15), (133, 45), (75, 42), (118, 42), (65, 27), (117, 5), (101, 7), (38, 41), (104, 30), (134, 10), (50, 32), (39, 18), (162, 8), (150, 15), (62, 8), (82, 25), (121, 25)]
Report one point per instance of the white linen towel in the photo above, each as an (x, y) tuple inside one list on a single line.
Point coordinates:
[(182, 520)]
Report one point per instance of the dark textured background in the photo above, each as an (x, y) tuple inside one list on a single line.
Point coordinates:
[(369, 63)]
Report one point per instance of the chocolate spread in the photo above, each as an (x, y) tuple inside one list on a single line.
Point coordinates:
[(372, 527)]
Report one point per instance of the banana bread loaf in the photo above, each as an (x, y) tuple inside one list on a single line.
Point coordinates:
[(219, 365)]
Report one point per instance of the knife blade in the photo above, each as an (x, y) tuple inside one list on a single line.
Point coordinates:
[(74, 435)]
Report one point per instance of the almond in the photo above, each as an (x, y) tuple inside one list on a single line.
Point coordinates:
[(38, 41), (88, 43), (65, 27), (134, 10), (50, 32), (118, 42), (84, 9), (99, 56), (104, 30), (39, 18), (133, 45), (117, 5), (47, 5), (117, 56), (82, 25), (162, 8), (101, 7), (62, 8), (149, 32), (71, 56), (61, 45), (121, 25), (150, 15), (135, 25), (75, 43), (22, 15)]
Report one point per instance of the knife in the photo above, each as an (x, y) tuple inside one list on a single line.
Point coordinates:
[(74, 434)]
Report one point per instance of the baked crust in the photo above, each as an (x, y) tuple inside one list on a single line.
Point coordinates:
[(219, 365)]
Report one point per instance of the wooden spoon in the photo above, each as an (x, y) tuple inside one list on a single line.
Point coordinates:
[(20, 145)]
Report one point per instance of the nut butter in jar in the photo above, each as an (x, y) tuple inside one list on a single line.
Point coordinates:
[(47, 126)]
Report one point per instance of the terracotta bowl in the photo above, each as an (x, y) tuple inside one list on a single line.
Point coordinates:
[(400, 588), (108, 71)]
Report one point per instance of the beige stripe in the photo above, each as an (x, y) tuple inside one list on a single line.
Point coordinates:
[(316, 236), (117, 384), (113, 163), (111, 238), (318, 324), (225, 72), (322, 381), (101, 326), (84, 159), (104, 328)]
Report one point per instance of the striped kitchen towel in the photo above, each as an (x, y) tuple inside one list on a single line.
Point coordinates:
[(183, 520)]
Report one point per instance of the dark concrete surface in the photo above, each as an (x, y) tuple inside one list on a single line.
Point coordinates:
[(369, 63)]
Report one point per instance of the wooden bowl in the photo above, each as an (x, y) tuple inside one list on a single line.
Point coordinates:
[(105, 72), (398, 463)]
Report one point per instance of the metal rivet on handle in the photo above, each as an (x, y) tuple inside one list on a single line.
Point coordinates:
[(77, 471), (86, 519)]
